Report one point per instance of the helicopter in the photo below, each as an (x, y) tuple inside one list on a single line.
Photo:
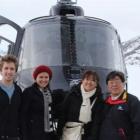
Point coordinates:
[(69, 43)]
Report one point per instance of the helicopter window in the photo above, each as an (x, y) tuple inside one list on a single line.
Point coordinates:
[(71, 42), (97, 46), (7, 38), (43, 41)]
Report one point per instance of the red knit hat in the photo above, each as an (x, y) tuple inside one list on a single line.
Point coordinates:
[(42, 68)]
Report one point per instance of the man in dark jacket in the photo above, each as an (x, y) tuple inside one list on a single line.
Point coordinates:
[(9, 99), (122, 111)]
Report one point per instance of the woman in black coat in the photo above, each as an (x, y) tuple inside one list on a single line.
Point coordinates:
[(82, 110), (37, 107)]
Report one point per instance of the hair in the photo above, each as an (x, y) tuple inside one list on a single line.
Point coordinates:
[(8, 59), (89, 73), (113, 74)]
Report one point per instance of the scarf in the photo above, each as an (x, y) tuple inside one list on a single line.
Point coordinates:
[(85, 110), (47, 110)]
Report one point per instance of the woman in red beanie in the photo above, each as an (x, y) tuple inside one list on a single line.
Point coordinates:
[(37, 112)]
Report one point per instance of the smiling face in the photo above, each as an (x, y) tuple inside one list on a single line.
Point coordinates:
[(8, 72), (89, 83), (42, 79), (115, 86)]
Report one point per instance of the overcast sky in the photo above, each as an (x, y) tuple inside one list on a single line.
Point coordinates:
[(123, 14)]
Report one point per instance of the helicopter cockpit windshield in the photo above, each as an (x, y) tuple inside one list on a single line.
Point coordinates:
[(84, 43)]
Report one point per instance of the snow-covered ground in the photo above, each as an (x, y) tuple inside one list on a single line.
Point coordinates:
[(133, 80)]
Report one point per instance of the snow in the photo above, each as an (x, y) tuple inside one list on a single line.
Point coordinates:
[(133, 79)]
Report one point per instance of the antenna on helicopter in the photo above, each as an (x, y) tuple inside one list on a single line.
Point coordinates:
[(69, 2), (66, 7)]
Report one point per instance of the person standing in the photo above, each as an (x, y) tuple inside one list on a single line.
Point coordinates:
[(82, 110), (37, 110), (9, 99), (122, 111)]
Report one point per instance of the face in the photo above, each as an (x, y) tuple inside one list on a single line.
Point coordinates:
[(42, 79), (89, 84), (8, 72), (115, 86)]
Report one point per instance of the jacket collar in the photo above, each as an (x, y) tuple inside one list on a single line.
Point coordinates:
[(122, 99)]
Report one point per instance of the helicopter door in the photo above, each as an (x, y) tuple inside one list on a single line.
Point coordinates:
[(10, 37)]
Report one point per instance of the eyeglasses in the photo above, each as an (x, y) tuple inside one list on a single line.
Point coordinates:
[(116, 81)]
